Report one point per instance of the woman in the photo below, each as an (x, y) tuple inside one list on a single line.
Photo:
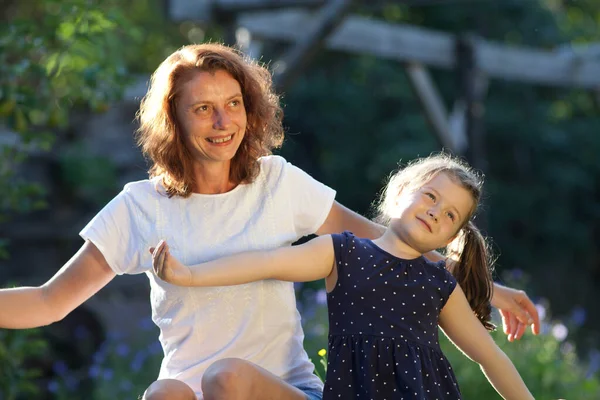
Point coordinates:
[(208, 124)]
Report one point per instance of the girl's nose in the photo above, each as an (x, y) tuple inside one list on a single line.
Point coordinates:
[(432, 214)]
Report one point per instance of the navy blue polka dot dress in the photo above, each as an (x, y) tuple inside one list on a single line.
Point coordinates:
[(383, 326)]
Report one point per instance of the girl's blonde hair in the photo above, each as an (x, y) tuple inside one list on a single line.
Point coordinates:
[(159, 134), (471, 263)]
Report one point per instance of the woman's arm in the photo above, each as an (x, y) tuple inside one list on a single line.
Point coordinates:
[(342, 219), (517, 310), (80, 278), (469, 335), (307, 262)]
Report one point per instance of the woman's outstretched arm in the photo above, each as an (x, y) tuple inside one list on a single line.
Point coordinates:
[(80, 278)]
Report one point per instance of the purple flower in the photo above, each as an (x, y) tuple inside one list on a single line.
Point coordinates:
[(60, 368), (81, 332), (594, 365), (94, 371), (126, 385), (578, 316), (321, 297), (108, 374), (541, 311), (516, 274), (560, 332), (155, 348), (53, 386), (138, 361), (71, 382), (122, 349), (146, 324)]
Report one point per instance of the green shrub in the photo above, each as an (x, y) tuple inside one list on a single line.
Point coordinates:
[(122, 368), (17, 348), (549, 367)]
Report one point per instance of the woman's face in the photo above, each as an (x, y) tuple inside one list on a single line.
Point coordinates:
[(212, 117)]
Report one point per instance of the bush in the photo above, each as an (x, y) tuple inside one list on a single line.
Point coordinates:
[(17, 349), (548, 366), (122, 368)]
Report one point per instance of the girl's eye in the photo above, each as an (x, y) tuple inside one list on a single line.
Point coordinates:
[(430, 195), (451, 216)]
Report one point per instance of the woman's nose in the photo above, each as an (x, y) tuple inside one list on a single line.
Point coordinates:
[(221, 120)]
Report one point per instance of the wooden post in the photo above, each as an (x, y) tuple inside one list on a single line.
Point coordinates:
[(472, 93), (294, 61), (450, 136)]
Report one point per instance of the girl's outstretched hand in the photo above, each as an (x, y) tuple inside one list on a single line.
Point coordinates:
[(167, 267)]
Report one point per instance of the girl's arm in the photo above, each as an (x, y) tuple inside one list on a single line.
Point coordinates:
[(469, 335), (81, 277), (307, 262)]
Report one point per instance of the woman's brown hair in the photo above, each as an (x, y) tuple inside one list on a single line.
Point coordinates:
[(469, 257), (159, 134)]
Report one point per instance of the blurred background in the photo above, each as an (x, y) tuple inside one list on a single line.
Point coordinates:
[(512, 85)]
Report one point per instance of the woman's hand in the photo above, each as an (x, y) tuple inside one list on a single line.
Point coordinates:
[(517, 311), (167, 267)]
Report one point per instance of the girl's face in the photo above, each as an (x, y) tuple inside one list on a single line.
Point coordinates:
[(429, 217), (212, 117)]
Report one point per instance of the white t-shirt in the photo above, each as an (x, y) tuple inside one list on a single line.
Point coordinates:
[(257, 321)]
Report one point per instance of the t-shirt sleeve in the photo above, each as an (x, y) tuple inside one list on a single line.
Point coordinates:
[(447, 282), (311, 201), (115, 232)]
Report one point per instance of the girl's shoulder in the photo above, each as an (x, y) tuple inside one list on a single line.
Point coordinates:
[(439, 270)]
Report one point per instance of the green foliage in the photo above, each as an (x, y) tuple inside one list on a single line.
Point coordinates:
[(56, 56), (351, 119), (88, 177), (123, 368), (17, 347), (549, 368)]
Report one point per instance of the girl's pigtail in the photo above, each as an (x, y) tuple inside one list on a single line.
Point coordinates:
[(472, 268)]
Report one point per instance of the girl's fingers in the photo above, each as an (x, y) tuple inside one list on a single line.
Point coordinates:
[(160, 263)]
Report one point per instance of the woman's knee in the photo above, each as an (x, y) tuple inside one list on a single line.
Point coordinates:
[(171, 389), (226, 378)]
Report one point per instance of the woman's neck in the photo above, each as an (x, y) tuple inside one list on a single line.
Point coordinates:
[(394, 245), (213, 178)]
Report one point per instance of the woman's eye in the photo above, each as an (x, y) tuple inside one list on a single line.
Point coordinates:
[(235, 103), (202, 109)]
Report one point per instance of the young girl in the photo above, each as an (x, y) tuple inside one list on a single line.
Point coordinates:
[(385, 299)]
